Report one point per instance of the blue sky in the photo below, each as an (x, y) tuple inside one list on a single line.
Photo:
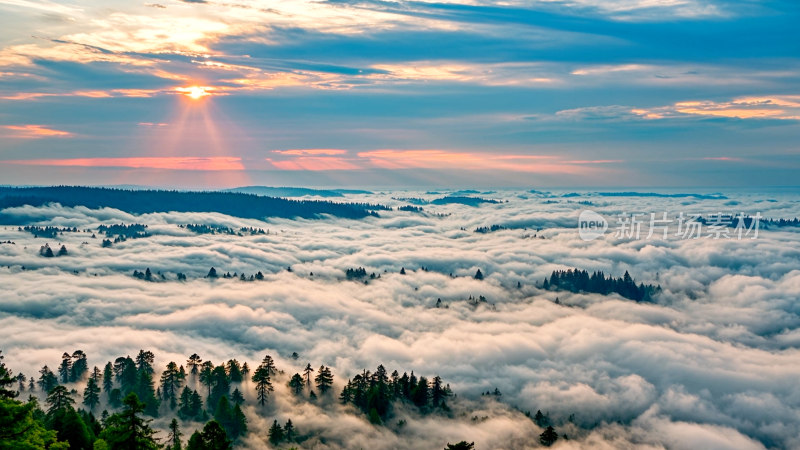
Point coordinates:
[(400, 94)]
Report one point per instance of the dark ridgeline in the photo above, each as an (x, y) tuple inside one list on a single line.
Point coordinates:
[(468, 201), (47, 232), (221, 229), (151, 201), (581, 281), (122, 231)]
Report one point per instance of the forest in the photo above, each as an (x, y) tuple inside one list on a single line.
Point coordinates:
[(119, 400), (581, 281)]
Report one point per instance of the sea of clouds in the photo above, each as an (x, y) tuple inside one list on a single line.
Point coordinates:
[(713, 363)]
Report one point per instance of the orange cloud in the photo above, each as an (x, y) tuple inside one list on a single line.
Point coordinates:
[(34, 132), (441, 159), (315, 163), (722, 158), (311, 151), (784, 107), (213, 163), (90, 94)]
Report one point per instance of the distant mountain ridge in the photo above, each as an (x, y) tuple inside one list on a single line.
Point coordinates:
[(293, 191), (243, 205)]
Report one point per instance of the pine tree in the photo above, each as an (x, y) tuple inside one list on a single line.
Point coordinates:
[(21, 378), (307, 374), (220, 386), (128, 430), (237, 397), (144, 361), (91, 395), (108, 378), (145, 389), (47, 380), (174, 437), (275, 433), (288, 431), (263, 379), (234, 371), (548, 437), (171, 381), (238, 422), (65, 368), (296, 383), (193, 363), (438, 392), (213, 437), (324, 380), (421, 394), (206, 369), (478, 275), (6, 381), (79, 366)]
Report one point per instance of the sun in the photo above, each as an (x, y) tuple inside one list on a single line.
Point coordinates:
[(195, 92)]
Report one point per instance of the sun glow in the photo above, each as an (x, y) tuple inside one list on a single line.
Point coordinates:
[(195, 92)]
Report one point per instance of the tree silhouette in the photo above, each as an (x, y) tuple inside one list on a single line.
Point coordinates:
[(548, 437), (463, 445), (324, 379), (262, 377), (174, 436), (127, 430), (91, 395)]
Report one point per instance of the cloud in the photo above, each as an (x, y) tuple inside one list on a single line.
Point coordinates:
[(34, 132), (712, 363), (212, 163)]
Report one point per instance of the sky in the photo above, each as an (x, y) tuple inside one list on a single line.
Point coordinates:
[(207, 93)]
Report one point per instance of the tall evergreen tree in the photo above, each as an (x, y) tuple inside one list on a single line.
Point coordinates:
[(108, 378), (206, 369), (237, 397), (549, 435), (220, 386), (307, 374), (324, 380), (144, 361), (213, 437), (7, 381), (59, 398), (91, 395), (263, 379), (79, 366), (193, 363), (234, 371), (65, 368), (145, 389), (275, 433), (238, 422), (289, 432), (127, 430), (296, 383), (174, 436), (171, 381), (63, 418)]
